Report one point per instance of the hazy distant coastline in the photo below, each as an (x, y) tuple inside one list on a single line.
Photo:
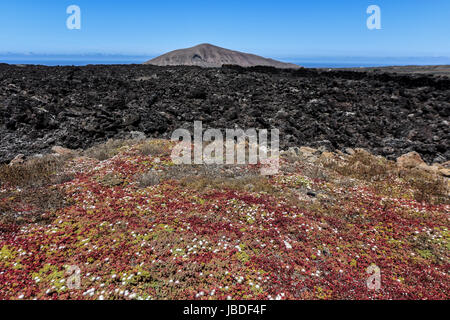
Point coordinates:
[(307, 61)]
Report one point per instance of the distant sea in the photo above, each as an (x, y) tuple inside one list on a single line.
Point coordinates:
[(366, 62), (332, 65), (309, 62), (53, 63)]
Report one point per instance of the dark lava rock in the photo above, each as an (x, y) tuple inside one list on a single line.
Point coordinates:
[(311, 194), (76, 107)]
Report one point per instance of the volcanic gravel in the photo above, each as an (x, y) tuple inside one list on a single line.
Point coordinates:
[(76, 107)]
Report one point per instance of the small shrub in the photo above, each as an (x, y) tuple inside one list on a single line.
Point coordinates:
[(428, 249), (426, 186), (316, 172), (111, 180), (362, 165), (148, 179), (249, 183), (155, 148), (39, 206), (47, 199), (35, 172), (63, 178), (108, 150)]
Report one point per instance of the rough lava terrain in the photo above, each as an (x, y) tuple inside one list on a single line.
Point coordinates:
[(77, 107)]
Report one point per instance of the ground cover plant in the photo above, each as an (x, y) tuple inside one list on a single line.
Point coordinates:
[(137, 226)]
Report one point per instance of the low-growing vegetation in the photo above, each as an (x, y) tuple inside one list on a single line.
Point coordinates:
[(35, 172), (137, 226), (384, 174), (108, 150)]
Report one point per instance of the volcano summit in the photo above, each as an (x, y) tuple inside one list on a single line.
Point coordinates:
[(210, 56)]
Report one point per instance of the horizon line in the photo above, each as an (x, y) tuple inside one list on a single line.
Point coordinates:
[(293, 56)]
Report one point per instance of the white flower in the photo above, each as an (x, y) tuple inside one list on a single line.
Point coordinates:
[(288, 245)]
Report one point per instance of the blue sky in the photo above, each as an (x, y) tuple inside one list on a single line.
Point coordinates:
[(278, 28)]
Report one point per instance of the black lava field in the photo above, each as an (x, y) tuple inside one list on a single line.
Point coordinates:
[(77, 107)]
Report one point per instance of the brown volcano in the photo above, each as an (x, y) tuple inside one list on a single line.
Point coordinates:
[(209, 56)]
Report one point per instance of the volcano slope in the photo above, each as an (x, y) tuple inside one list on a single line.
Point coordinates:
[(77, 107), (210, 56)]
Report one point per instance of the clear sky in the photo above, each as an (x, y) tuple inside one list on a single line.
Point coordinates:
[(281, 28)]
